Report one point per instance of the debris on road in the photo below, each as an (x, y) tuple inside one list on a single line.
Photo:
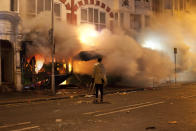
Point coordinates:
[(172, 122), (58, 120), (124, 93), (71, 97), (88, 96), (151, 128)]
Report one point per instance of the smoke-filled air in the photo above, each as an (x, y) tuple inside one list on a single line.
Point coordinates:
[(150, 58)]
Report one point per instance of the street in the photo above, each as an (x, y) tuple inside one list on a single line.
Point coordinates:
[(162, 109)]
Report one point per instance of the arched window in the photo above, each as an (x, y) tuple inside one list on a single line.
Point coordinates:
[(93, 16)]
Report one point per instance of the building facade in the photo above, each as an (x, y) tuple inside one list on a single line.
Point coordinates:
[(171, 7), (130, 15), (10, 71)]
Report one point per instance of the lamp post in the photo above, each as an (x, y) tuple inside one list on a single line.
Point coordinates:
[(175, 52), (53, 48)]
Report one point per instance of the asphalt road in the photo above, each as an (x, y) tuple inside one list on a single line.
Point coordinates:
[(164, 109)]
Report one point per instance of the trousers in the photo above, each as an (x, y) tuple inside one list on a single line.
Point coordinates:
[(99, 87)]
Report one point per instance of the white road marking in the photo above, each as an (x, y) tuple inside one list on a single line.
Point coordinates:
[(12, 125), (186, 97), (90, 113), (128, 109), (27, 128)]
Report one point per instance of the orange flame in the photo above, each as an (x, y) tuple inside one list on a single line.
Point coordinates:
[(39, 62)]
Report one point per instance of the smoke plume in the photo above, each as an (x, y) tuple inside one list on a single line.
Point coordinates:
[(122, 55)]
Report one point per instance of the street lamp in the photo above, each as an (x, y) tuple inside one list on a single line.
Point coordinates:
[(175, 52), (53, 48)]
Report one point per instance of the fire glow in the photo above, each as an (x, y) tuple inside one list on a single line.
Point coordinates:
[(64, 82), (87, 35), (39, 62)]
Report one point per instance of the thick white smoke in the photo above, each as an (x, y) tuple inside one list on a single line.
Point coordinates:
[(176, 32), (123, 56), (37, 30)]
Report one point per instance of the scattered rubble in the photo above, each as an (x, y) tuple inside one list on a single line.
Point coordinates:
[(172, 122), (151, 128), (59, 120)]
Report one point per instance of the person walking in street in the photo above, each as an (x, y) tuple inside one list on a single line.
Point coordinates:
[(99, 78)]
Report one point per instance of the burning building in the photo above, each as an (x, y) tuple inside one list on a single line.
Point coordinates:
[(130, 15), (86, 28)]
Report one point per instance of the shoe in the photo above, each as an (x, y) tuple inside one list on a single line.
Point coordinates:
[(95, 101), (101, 101)]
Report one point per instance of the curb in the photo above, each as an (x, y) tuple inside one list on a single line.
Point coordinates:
[(64, 97)]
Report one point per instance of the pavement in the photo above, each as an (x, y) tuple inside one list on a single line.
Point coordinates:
[(68, 93)]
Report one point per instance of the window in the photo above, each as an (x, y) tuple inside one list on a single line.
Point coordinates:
[(34, 7), (84, 14), (181, 4), (147, 21), (48, 5), (14, 5), (131, 21), (57, 10), (96, 13), (93, 16), (121, 19), (137, 22), (90, 14), (40, 6), (102, 17), (31, 6), (176, 4), (168, 4), (102, 20), (116, 16)]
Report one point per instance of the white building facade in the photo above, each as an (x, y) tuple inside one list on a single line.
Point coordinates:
[(128, 14), (10, 71)]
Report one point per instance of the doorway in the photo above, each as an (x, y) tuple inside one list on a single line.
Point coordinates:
[(7, 61)]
